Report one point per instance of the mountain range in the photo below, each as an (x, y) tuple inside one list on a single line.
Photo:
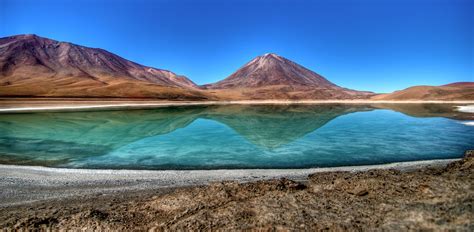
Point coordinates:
[(33, 66)]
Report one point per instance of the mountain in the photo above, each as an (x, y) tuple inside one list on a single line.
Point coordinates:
[(453, 91), (274, 77), (35, 66)]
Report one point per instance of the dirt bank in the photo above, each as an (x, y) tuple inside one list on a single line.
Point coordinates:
[(429, 198)]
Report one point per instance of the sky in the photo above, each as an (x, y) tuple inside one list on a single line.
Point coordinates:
[(375, 45)]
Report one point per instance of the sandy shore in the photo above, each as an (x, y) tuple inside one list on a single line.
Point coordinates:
[(20, 105), (26, 184), (427, 195)]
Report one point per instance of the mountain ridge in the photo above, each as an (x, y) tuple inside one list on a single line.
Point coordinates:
[(77, 55), (447, 92), (31, 65), (275, 77), (34, 66), (267, 62)]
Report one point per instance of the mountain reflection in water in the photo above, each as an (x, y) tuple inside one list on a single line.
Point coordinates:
[(59, 139)]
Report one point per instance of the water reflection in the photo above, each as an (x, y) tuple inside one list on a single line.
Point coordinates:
[(427, 110), (53, 139), (274, 126), (59, 137)]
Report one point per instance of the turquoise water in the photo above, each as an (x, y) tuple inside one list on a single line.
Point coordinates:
[(233, 136)]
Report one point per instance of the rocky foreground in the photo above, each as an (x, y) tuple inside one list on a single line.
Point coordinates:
[(429, 198)]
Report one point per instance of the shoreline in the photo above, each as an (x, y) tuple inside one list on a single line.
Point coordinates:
[(419, 197), (28, 184), (21, 105)]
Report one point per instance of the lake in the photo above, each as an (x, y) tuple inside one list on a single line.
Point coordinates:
[(236, 136)]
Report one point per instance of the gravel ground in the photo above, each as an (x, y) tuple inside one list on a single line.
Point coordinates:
[(413, 196), (27, 184)]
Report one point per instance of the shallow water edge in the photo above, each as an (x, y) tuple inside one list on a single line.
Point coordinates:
[(18, 106), (27, 184)]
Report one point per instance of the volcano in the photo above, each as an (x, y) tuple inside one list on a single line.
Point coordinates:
[(271, 76)]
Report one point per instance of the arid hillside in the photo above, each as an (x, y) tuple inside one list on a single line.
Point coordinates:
[(35, 66), (274, 77), (453, 91)]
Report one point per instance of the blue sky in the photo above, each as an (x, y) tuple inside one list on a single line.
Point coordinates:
[(376, 45)]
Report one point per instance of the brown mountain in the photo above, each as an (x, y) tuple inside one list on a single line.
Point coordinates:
[(273, 77), (39, 67), (34, 66), (453, 91)]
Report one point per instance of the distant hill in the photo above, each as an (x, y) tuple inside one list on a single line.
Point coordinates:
[(453, 91), (34, 66), (274, 77)]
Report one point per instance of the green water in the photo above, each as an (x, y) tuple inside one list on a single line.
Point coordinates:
[(235, 136)]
